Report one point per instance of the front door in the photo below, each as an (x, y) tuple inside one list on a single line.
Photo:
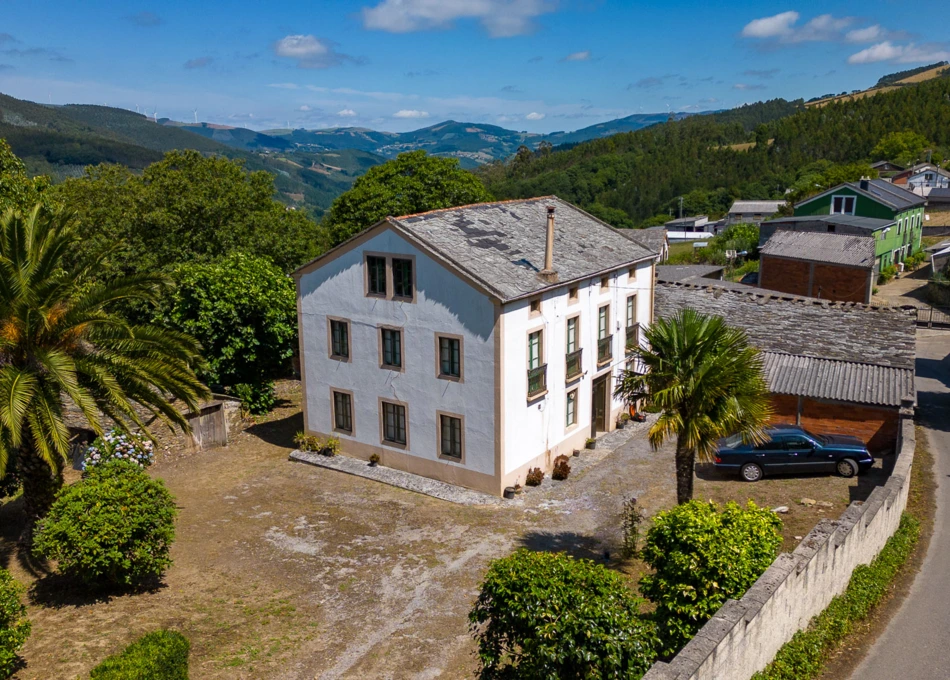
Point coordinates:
[(598, 416)]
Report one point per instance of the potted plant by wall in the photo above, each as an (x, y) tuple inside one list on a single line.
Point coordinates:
[(374, 460), (590, 443), (622, 420)]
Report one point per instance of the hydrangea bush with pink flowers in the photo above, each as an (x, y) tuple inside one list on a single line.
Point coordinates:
[(132, 447)]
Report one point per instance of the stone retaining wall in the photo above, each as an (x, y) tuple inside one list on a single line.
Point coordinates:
[(744, 636)]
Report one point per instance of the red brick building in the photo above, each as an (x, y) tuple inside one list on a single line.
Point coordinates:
[(832, 367), (829, 266)]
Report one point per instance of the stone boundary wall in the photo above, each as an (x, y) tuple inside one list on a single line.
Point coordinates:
[(745, 635)]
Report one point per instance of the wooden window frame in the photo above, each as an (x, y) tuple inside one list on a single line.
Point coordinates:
[(349, 339), (567, 403), (438, 357), (606, 321), (458, 460), (844, 201), (392, 278), (576, 318), (366, 291), (382, 423), (402, 348), (351, 432), (541, 347)]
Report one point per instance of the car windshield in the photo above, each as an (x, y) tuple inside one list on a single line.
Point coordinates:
[(821, 439), (732, 442)]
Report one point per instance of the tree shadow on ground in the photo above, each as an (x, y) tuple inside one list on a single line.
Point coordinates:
[(57, 591), (570, 542), (278, 432)]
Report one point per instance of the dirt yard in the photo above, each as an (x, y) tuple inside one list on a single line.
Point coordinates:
[(285, 570)]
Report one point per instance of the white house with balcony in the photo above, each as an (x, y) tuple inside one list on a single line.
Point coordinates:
[(472, 344)]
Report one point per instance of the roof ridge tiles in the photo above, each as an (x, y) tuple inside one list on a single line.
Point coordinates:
[(477, 205)]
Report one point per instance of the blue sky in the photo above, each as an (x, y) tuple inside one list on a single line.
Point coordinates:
[(538, 65)]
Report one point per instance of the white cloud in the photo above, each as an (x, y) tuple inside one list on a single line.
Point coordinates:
[(308, 51), (411, 113), (869, 34), (770, 27), (346, 113), (578, 56), (501, 18), (304, 108), (744, 86), (534, 116), (784, 29), (284, 86), (900, 54)]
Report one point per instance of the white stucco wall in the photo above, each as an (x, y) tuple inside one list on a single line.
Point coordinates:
[(445, 304), (532, 427)]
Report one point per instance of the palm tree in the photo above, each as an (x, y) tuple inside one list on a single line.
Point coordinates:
[(707, 382), (61, 343)]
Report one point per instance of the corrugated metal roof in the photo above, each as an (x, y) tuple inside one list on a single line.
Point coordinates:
[(818, 378), (757, 207), (856, 251), (502, 244)]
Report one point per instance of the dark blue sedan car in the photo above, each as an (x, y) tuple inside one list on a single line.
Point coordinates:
[(792, 449)]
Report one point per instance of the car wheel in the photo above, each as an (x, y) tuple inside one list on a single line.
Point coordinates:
[(751, 472), (847, 467)]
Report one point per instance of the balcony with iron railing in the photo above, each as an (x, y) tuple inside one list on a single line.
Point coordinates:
[(605, 350), (537, 381), (573, 364), (633, 338)]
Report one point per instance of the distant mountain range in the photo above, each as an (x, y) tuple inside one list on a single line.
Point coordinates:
[(472, 143)]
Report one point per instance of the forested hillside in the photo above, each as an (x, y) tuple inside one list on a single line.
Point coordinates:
[(629, 178)]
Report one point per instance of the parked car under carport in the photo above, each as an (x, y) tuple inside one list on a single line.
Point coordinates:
[(791, 449)]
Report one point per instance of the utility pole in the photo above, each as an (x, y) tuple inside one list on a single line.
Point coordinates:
[(681, 207)]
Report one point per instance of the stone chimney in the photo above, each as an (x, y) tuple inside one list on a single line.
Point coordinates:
[(548, 275)]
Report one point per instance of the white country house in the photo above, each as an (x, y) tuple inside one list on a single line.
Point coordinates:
[(473, 343)]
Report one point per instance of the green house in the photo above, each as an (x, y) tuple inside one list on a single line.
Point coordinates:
[(892, 215)]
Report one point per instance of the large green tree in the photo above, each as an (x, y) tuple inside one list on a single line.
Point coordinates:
[(904, 147), (62, 347), (184, 208), (707, 382), (17, 189), (243, 311), (412, 182)]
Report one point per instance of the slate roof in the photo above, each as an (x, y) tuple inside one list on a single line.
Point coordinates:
[(837, 380), (855, 251), (856, 221), (879, 190), (653, 238), (681, 272), (757, 207), (501, 245), (815, 348), (941, 195), (682, 221)]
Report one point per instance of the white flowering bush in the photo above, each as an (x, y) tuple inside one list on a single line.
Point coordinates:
[(131, 447)]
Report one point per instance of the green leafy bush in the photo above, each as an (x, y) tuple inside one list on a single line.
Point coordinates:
[(133, 447), (702, 557), (10, 480), (113, 527), (545, 615), (802, 657), (14, 628), (886, 274), (162, 655), (243, 311)]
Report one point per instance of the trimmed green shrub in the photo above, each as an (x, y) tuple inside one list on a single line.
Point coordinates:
[(802, 657), (162, 655), (547, 615), (255, 398), (113, 527), (886, 274), (14, 628), (702, 557)]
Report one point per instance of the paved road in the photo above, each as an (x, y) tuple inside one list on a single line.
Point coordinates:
[(916, 644)]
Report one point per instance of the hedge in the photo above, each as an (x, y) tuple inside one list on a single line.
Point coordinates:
[(803, 657), (161, 655)]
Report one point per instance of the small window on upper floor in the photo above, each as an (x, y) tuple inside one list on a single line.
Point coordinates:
[(842, 205), (535, 307), (376, 275), (572, 294), (604, 282), (403, 282)]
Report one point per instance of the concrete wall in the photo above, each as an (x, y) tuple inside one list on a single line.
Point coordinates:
[(523, 418), (444, 304), (744, 635)]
